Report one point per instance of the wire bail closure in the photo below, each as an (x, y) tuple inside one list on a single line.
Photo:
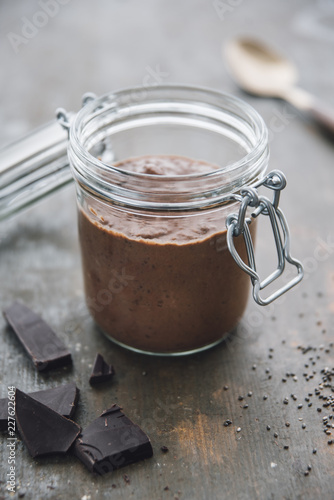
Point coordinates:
[(238, 224), (65, 118)]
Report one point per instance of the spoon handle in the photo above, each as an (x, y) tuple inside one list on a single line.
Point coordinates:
[(323, 116), (318, 111)]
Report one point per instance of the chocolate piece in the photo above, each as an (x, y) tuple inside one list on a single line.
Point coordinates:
[(41, 343), (112, 441), (62, 399), (3, 414), (43, 430), (101, 371)]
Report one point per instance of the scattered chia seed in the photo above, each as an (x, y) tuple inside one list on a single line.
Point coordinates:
[(286, 446), (319, 410), (287, 424), (240, 398), (303, 426), (283, 380), (306, 473), (245, 406), (265, 397), (275, 435), (268, 427), (286, 401), (314, 451), (254, 367), (164, 449), (225, 387), (330, 442), (239, 429), (300, 406), (250, 394)]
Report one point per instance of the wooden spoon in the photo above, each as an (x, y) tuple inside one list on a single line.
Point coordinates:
[(261, 71)]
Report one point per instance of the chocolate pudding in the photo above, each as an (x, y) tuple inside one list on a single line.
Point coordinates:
[(161, 282)]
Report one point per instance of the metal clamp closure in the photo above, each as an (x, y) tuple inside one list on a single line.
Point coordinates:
[(238, 224)]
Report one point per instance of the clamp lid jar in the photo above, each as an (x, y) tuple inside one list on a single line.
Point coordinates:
[(166, 179)]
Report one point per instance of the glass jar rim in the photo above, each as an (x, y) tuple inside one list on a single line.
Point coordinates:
[(91, 167)]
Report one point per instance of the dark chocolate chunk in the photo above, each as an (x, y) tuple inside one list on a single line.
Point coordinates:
[(3, 414), (101, 371), (39, 340), (43, 430), (62, 399), (112, 441)]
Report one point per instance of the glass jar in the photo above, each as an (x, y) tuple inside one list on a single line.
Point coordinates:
[(160, 173)]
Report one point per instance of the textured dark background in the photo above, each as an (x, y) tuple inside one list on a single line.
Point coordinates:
[(104, 45)]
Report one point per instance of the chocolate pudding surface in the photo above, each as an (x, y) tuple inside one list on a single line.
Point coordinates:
[(161, 282)]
